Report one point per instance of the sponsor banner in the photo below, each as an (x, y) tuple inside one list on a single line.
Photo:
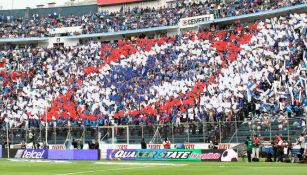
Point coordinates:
[(0, 152), (224, 146), (65, 30), (61, 154), (172, 154), (73, 154), (57, 147), (53, 154), (193, 21), (103, 146), (27, 153), (32, 154), (91, 154)]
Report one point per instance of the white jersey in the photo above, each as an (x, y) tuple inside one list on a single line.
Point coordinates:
[(302, 142)]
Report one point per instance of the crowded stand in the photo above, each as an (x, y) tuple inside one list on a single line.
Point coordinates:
[(130, 19), (212, 75)]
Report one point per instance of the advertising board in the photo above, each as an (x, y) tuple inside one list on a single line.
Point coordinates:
[(90, 154), (193, 21), (172, 154)]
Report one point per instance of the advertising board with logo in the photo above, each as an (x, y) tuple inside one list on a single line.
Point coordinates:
[(193, 21), (57, 146), (172, 154), (32, 154), (26, 153), (53, 154)]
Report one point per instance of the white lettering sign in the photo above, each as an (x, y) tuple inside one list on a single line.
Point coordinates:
[(193, 21)]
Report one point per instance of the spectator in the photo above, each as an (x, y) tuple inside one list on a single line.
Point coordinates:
[(130, 18), (280, 149), (249, 145), (143, 144), (166, 143), (256, 144), (301, 143)]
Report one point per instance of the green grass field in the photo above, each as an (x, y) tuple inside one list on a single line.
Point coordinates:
[(8, 167)]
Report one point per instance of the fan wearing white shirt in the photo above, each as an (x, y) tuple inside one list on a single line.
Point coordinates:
[(301, 143)]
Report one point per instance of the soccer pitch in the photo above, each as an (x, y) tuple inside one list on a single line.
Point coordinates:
[(43, 167)]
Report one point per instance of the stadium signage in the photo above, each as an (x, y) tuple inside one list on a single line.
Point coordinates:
[(189, 146), (57, 147), (125, 146), (31, 154), (158, 154), (92, 154), (34, 154), (192, 21), (154, 146), (207, 156), (224, 146), (171, 154)]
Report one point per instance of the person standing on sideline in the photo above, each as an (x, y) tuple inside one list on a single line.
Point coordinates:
[(143, 144), (274, 147), (256, 144), (166, 143), (301, 143), (280, 149), (249, 146), (289, 148)]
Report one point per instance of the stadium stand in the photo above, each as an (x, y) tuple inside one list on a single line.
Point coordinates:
[(254, 72), (129, 19)]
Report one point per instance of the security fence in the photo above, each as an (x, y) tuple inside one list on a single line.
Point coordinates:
[(187, 132)]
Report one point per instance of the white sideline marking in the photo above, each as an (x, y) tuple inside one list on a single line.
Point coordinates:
[(135, 163), (248, 166), (93, 171)]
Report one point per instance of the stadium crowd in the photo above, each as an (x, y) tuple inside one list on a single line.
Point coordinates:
[(212, 75), (129, 19)]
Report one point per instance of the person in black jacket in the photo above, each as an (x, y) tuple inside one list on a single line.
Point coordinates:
[(143, 144)]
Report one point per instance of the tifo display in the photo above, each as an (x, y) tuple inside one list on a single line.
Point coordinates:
[(135, 86)]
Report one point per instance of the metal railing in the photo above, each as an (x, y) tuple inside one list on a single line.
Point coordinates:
[(187, 132)]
